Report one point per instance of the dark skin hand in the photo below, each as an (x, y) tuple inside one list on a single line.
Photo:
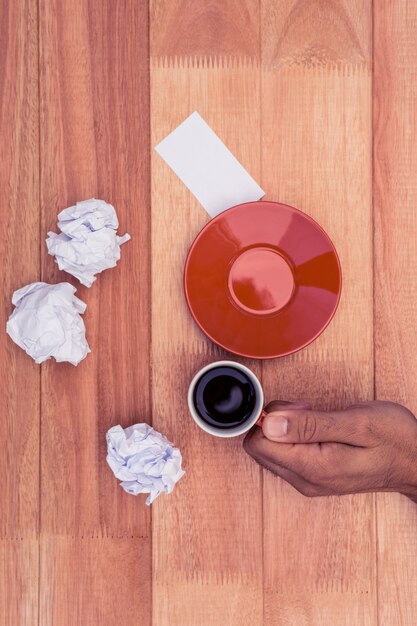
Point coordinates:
[(367, 447)]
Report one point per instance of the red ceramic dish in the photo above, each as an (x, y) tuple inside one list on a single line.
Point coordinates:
[(262, 280)]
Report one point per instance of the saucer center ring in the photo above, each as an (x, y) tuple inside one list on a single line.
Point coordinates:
[(260, 281)]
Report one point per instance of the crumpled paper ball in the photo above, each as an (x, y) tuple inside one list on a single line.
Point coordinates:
[(144, 460), (88, 243), (47, 322)]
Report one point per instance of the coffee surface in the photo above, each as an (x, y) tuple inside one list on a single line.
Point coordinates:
[(224, 397)]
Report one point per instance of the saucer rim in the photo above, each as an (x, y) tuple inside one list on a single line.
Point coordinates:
[(201, 234)]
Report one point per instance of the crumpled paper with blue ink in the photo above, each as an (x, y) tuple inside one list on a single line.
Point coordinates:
[(88, 243), (144, 460), (47, 322)]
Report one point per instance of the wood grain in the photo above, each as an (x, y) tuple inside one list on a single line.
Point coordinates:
[(95, 142), (207, 539), (319, 555), (317, 33), (104, 581), (196, 29), (19, 588), (20, 265), (395, 194)]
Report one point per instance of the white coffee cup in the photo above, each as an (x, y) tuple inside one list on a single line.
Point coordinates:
[(234, 431)]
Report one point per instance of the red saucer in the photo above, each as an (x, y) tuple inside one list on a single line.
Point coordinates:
[(262, 280)]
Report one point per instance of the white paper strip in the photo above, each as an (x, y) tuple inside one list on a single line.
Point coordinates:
[(204, 164)]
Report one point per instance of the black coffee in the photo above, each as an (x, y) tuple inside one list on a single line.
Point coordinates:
[(224, 397)]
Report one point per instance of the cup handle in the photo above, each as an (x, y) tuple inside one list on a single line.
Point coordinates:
[(261, 418)]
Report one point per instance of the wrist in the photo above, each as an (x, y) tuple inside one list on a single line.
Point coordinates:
[(410, 490), (412, 496)]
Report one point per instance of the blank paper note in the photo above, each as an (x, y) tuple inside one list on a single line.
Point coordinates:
[(204, 164)]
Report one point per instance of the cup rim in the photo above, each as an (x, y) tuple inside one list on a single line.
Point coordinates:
[(237, 430)]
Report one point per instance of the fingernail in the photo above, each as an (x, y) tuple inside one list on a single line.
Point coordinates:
[(275, 426)]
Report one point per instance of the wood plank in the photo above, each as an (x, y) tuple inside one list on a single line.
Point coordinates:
[(19, 590), (207, 538), (395, 195), (95, 142), (316, 155), (20, 376), (197, 29), (94, 596)]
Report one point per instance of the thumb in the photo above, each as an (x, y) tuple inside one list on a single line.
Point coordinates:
[(301, 426), (278, 405)]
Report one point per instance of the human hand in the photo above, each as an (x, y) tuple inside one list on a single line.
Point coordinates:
[(367, 447)]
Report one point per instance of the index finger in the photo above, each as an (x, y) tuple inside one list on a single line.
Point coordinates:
[(296, 458)]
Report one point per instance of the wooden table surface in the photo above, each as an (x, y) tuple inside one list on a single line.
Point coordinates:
[(318, 100)]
